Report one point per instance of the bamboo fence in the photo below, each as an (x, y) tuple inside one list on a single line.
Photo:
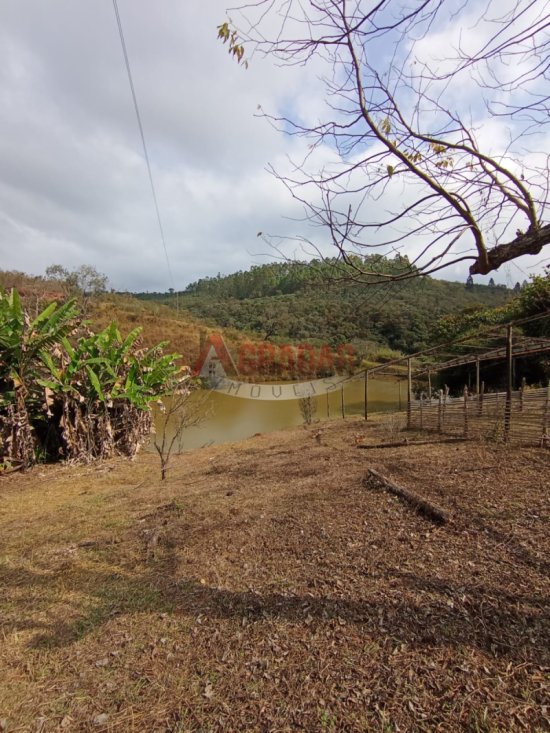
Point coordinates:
[(522, 416)]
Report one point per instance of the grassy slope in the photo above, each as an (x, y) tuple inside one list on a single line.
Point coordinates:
[(262, 587), (402, 318), (160, 323)]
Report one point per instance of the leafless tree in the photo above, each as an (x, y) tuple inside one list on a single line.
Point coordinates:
[(437, 117), (184, 408)]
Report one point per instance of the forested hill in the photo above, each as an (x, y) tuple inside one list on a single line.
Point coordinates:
[(299, 302)]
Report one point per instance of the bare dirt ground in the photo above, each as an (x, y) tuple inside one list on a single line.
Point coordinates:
[(263, 587)]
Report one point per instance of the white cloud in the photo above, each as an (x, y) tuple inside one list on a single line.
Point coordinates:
[(73, 182)]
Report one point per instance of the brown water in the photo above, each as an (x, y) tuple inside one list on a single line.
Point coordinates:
[(232, 418)]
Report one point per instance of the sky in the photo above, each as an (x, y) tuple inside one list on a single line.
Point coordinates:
[(74, 187)]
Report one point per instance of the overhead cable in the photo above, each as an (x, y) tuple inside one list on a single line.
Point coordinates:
[(145, 152)]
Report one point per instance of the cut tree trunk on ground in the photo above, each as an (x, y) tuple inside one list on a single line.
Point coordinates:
[(12, 470), (421, 505)]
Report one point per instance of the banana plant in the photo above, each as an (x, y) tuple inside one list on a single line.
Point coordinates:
[(92, 391), (104, 368), (22, 342)]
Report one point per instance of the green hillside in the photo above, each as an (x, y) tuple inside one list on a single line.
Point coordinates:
[(297, 302), (285, 302)]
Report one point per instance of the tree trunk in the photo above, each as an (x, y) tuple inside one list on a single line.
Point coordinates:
[(529, 243)]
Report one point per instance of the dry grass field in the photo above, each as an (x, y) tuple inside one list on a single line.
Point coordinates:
[(264, 587), (160, 323)]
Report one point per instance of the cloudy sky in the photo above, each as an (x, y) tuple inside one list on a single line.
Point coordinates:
[(73, 182)]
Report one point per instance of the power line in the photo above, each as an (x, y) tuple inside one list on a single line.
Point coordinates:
[(145, 152)]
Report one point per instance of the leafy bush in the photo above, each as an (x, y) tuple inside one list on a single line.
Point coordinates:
[(66, 392), (531, 300)]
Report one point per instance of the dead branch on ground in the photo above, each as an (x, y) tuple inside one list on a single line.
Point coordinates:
[(421, 505)]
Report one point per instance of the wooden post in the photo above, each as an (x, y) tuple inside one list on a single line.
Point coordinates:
[(429, 387), (440, 411), (465, 411), (521, 391), (445, 395), (509, 382), (480, 399), (343, 403), (477, 376), (409, 392), (366, 394), (544, 441)]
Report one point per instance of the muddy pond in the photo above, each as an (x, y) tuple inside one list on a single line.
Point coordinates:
[(229, 418)]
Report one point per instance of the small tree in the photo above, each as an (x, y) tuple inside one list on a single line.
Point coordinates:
[(180, 410), (66, 392), (83, 283)]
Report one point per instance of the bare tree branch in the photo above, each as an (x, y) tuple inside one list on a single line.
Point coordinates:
[(411, 89)]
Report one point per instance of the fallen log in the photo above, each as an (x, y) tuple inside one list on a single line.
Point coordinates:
[(8, 471), (418, 503), (403, 443)]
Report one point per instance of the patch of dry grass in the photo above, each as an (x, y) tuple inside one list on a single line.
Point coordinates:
[(262, 587), (161, 323)]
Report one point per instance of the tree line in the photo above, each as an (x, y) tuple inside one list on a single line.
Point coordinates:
[(303, 302)]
